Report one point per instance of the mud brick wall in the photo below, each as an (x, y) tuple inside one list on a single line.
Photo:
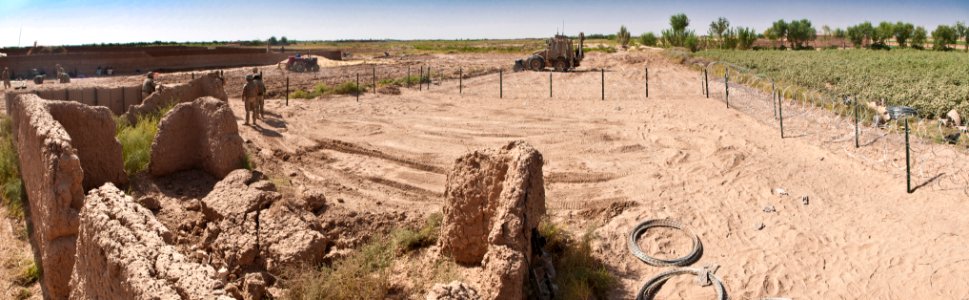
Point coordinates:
[(123, 252)]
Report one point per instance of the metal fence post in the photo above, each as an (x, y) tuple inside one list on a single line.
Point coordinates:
[(407, 79), (501, 84), (603, 72), (428, 78), (857, 129), (374, 79), (420, 80), (287, 90), (706, 83), (647, 81), (780, 112), (726, 86), (908, 163), (550, 85), (357, 91)]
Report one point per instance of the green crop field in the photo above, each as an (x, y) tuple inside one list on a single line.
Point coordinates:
[(933, 82)]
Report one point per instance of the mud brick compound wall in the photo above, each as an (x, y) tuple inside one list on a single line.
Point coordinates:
[(52, 165), (129, 60)]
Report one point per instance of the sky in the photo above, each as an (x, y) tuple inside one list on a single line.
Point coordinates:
[(71, 22)]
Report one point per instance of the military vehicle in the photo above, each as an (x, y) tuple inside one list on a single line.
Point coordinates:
[(559, 54), (302, 64)]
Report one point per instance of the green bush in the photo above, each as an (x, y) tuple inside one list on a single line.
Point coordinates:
[(28, 273), (406, 240), (579, 274), (362, 275), (136, 139), (12, 185), (319, 90)]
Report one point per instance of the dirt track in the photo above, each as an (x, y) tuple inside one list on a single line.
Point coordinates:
[(610, 164)]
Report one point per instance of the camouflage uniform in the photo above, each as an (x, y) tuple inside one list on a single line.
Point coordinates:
[(261, 98), (250, 97), (6, 78), (148, 87)]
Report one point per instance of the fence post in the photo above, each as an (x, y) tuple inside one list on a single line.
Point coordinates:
[(501, 84), (780, 112), (647, 82), (857, 129), (408, 77), (429, 78), (420, 80), (287, 90), (357, 92), (706, 83), (726, 85), (773, 99), (374, 79), (603, 72), (460, 80), (908, 163)]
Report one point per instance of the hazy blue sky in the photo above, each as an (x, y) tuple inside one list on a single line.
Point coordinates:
[(56, 22)]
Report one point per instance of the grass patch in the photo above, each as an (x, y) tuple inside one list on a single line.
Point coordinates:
[(247, 162), (23, 294), (10, 182), (136, 139), (407, 240), (364, 274), (579, 274), (28, 272), (322, 89)]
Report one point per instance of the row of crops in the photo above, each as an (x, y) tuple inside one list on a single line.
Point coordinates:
[(931, 82)]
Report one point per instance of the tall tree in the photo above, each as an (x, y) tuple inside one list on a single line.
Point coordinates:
[(770, 35), (883, 32), (943, 36), (962, 31), (746, 38), (718, 28), (841, 34), (678, 36), (799, 32), (918, 38), (903, 32), (780, 29)]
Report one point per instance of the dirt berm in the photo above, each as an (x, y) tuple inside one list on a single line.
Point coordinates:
[(210, 85), (200, 134), (494, 199)]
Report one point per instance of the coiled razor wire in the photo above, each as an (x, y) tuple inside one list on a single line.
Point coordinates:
[(705, 276), (659, 262)]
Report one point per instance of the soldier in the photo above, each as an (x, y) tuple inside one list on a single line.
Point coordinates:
[(250, 96), (5, 76), (149, 86), (261, 102), (60, 70)]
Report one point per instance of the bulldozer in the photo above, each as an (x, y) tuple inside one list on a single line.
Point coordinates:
[(302, 64), (559, 54)]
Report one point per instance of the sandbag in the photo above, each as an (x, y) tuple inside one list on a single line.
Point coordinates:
[(132, 96), (75, 94), (116, 102), (88, 96)]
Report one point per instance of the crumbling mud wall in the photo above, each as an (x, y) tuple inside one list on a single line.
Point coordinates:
[(209, 85), (64, 148), (123, 252), (494, 200), (92, 132), (200, 134), (52, 174)]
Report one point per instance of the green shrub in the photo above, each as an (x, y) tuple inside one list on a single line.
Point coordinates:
[(406, 240), (319, 90), (579, 274), (349, 88), (23, 294), (28, 273), (10, 181), (136, 139), (362, 275), (247, 162)]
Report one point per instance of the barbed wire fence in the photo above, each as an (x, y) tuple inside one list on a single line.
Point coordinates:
[(846, 124)]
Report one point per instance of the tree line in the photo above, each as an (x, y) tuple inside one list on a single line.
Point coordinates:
[(798, 34)]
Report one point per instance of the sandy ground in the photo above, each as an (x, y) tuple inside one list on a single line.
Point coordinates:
[(15, 254), (613, 163)]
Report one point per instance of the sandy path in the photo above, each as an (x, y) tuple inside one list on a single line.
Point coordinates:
[(675, 155)]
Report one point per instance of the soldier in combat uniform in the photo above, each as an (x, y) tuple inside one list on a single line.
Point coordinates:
[(251, 92), (6, 78), (149, 86)]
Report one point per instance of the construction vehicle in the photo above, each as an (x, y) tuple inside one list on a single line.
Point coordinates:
[(299, 63), (559, 54)]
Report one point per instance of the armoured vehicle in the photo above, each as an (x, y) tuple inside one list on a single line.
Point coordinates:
[(559, 54)]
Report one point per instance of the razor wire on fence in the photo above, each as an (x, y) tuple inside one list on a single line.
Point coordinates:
[(848, 125)]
